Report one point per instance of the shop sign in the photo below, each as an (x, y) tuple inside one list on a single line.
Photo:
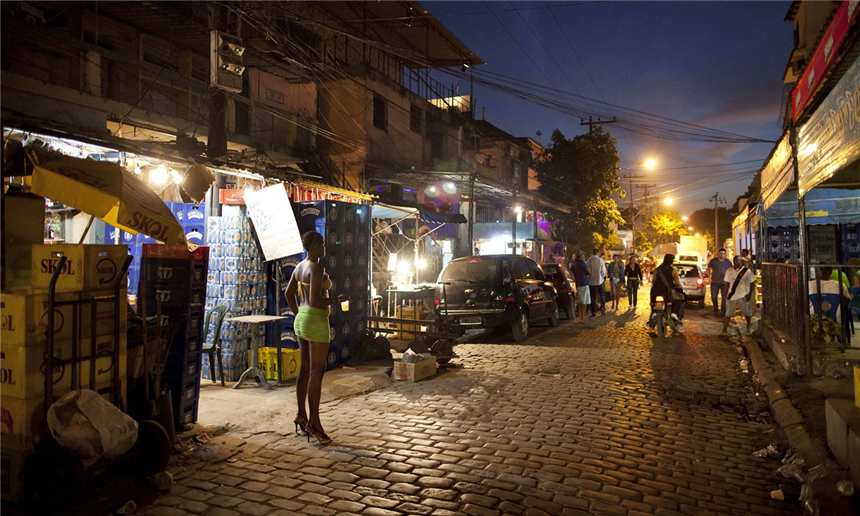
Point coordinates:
[(274, 222), (824, 57), (830, 139), (231, 196), (778, 173)]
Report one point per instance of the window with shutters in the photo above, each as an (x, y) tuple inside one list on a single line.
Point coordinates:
[(380, 114)]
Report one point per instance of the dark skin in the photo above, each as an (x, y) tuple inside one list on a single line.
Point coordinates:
[(313, 354)]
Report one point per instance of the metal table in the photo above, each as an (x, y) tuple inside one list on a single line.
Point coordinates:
[(253, 370)]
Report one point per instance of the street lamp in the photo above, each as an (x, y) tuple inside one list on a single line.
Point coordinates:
[(649, 164), (690, 228), (684, 218), (668, 201)]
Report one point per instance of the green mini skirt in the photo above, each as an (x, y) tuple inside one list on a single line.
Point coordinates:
[(311, 324)]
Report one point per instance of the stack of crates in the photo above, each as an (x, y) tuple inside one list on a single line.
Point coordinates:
[(189, 215), (237, 279), (784, 242), (89, 274), (346, 230), (177, 277), (276, 302)]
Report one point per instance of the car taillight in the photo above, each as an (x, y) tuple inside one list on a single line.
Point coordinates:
[(438, 302), (509, 300), (700, 282)]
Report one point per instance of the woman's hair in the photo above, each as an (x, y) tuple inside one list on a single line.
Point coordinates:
[(310, 238), (854, 261)]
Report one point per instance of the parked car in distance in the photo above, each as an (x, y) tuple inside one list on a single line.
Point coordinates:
[(692, 281), (496, 292), (565, 287)]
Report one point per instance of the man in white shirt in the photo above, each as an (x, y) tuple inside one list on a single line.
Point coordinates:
[(739, 281), (596, 280)]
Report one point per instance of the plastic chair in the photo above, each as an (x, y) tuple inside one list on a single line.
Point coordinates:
[(831, 304), (855, 304), (215, 346)]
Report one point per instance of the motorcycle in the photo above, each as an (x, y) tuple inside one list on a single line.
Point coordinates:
[(661, 317)]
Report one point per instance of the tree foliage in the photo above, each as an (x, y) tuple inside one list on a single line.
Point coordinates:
[(582, 173), (666, 224), (703, 221)]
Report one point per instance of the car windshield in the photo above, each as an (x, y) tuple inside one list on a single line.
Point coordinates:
[(550, 270), (471, 270), (687, 271)]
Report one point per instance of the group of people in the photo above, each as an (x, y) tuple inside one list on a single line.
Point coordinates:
[(590, 278), (732, 286)]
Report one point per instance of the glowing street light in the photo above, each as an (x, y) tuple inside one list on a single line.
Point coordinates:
[(649, 164), (690, 228), (668, 201), (684, 218)]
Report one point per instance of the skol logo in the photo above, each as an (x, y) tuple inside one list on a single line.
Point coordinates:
[(48, 265), (106, 269), (7, 322), (163, 295), (6, 377), (165, 272), (309, 211), (103, 371), (146, 225), (59, 320), (59, 370)]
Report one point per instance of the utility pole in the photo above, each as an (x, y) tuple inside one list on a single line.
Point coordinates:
[(717, 200), (514, 224), (591, 123)]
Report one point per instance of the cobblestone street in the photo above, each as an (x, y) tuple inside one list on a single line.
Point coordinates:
[(597, 418)]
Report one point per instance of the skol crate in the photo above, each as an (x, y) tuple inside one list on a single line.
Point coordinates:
[(12, 465), (88, 266), (25, 317), (289, 363)]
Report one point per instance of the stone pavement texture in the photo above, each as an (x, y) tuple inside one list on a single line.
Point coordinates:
[(600, 418)]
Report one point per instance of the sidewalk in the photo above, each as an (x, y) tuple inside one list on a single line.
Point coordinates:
[(798, 406)]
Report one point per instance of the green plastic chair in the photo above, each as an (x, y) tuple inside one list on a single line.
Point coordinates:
[(215, 346)]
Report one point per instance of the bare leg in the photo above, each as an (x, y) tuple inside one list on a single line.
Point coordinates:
[(302, 380), (317, 363)]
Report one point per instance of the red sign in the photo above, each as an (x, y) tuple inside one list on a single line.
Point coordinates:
[(824, 57), (231, 196)]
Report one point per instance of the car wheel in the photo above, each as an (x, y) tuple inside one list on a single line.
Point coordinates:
[(568, 309), (520, 327), (553, 315)]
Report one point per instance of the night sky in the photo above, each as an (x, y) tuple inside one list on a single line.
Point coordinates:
[(713, 64)]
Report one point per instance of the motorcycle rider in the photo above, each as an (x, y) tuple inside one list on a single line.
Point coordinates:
[(663, 276)]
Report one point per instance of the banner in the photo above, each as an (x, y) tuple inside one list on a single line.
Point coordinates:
[(830, 139)]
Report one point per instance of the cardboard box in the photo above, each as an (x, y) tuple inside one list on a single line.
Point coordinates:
[(88, 266), (290, 363), (414, 371), (24, 317), (22, 368)]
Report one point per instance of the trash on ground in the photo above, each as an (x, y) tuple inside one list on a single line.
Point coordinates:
[(128, 508), (811, 508), (792, 470), (202, 438), (411, 356), (816, 472), (845, 487), (162, 481), (777, 494)]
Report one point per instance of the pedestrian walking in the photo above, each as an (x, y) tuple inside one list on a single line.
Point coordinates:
[(740, 279), (311, 283), (717, 269), (633, 272), (597, 280), (615, 271), (580, 276)]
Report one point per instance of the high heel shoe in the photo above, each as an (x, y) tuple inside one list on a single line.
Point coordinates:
[(320, 436), (300, 422)]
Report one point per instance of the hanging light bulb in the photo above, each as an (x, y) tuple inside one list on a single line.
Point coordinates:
[(177, 177), (158, 175)]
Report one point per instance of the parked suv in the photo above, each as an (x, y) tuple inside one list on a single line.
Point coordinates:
[(494, 292)]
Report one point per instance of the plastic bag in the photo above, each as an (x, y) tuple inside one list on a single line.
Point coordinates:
[(88, 424)]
